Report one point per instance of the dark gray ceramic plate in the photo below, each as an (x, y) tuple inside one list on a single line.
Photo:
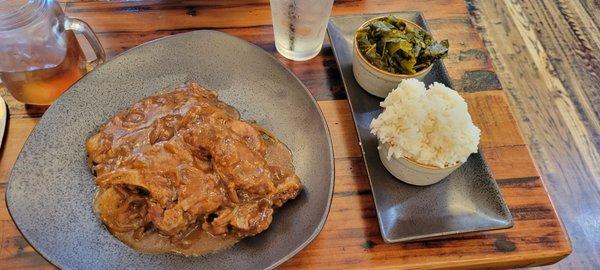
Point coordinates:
[(467, 200), (50, 190)]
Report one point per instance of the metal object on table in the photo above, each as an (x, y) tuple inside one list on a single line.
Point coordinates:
[(3, 118)]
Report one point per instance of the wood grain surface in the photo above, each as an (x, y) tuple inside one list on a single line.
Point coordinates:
[(547, 55), (351, 236)]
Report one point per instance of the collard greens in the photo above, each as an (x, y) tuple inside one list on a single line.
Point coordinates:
[(393, 46)]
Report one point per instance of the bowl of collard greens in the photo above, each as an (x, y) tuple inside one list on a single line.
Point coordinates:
[(389, 49)]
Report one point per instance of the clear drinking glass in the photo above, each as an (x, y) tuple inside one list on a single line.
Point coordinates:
[(299, 27), (40, 57)]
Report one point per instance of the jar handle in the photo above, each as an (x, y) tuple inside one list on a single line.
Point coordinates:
[(82, 27)]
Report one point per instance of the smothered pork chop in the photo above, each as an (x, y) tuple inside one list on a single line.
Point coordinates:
[(180, 172)]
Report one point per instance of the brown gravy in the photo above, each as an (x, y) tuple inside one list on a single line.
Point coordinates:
[(180, 172)]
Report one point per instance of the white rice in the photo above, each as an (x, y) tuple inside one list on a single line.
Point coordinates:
[(431, 127)]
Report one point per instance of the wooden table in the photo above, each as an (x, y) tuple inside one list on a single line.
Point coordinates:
[(547, 56), (351, 236)]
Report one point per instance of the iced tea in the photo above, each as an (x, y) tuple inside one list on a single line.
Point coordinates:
[(43, 86)]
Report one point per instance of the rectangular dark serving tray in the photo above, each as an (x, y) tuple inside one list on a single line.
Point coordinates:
[(468, 200)]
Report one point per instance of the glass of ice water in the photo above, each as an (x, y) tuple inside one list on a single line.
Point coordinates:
[(299, 27)]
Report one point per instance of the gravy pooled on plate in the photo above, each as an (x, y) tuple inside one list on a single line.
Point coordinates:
[(180, 172)]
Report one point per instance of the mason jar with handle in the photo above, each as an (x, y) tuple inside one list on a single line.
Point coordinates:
[(40, 55)]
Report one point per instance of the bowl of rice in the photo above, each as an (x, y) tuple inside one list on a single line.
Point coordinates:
[(424, 134)]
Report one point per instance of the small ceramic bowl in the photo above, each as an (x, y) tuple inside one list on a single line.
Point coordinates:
[(412, 172), (374, 80)]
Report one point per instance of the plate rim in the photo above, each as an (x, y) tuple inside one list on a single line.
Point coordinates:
[(329, 147)]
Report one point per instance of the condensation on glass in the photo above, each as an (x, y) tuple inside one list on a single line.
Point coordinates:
[(299, 27), (41, 57)]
